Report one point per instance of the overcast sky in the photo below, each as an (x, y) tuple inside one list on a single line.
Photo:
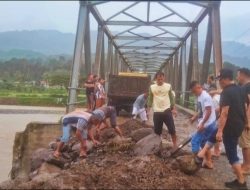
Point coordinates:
[(62, 16)]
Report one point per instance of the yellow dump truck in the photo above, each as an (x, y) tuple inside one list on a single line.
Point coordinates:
[(124, 88)]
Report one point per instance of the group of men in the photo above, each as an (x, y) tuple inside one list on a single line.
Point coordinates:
[(227, 119), (228, 123)]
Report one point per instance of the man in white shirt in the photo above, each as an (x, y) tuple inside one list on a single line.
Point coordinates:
[(139, 107), (206, 117)]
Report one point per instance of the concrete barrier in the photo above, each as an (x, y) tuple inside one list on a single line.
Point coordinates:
[(36, 135)]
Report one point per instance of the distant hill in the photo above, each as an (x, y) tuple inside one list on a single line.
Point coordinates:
[(43, 43), (48, 42)]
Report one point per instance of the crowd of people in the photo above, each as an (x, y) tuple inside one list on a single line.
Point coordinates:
[(223, 115)]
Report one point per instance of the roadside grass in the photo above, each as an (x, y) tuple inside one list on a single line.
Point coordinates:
[(38, 97)]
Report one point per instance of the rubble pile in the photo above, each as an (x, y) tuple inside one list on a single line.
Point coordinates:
[(137, 161)]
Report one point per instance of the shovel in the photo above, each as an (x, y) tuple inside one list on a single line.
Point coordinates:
[(181, 145)]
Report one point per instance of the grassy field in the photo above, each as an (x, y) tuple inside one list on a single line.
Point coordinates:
[(37, 96)]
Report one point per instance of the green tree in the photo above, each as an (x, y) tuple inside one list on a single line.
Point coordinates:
[(58, 78)]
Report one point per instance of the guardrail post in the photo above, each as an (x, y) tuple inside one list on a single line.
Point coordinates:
[(79, 41)]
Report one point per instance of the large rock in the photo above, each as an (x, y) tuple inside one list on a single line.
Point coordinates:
[(187, 164), (89, 145), (39, 157), (107, 134), (140, 133), (148, 145)]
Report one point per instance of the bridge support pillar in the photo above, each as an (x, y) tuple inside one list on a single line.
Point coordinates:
[(183, 66), (109, 58), (98, 54), (176, 60), (87, 47), (216, 32), (195, 56), (189, 72), (79, 41)]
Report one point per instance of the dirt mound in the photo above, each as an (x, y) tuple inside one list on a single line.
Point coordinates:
[(112, 165), (129, 126)]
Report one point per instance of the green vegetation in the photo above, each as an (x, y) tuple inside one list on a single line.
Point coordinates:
[(35, 96), (38, 82)]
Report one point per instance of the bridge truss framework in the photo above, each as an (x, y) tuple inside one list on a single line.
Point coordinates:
[(166, 50)]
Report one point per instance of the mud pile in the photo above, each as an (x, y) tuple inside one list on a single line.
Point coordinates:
[(113, 165)]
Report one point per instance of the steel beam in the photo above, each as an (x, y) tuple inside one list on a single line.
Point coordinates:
[(100, 21), (109, 57), (168, 39), (102, 63), (207, 52), (140, 23), (146, 47), (216, 33), (175, 82), (98, 54), (195, 54), (179, 81), (189, 72), (115, 62), (183, 70), (87, 47), (80, 33)]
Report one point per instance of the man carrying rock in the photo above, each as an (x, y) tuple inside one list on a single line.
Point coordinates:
[(102, 114), (161, 99), (83, 122), (243, 77), (231, 124), (139, 107), (206, 117)]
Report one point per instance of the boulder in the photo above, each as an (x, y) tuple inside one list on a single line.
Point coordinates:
[(45, 168), (53, 145), (39, 157), (187, 164), (140, 133), (59, 162), (118, 140), (107, 134), (89, 144), (148, 145)]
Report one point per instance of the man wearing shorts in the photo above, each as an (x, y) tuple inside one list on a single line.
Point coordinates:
[(243, 77), (206, 117), (102, 114), (231, 124), (139, 107), (83, 122), (161, 99)]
